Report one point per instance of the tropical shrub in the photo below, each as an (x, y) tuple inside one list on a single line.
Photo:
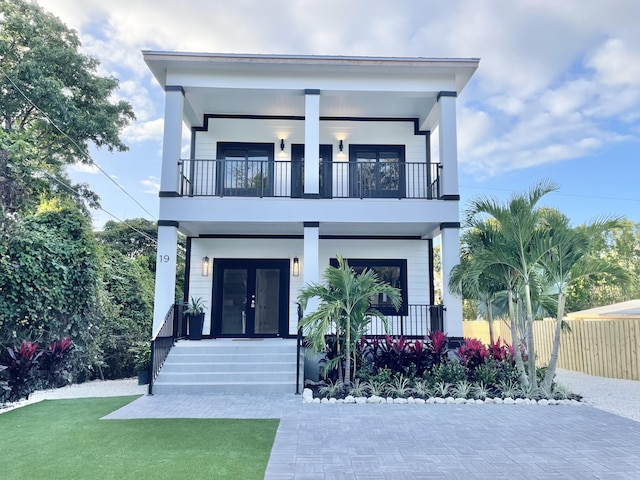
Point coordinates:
[(21, 365), (54, 361), (472, 353)]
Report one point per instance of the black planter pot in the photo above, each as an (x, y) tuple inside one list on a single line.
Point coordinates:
[(144, 377), (195, 326)]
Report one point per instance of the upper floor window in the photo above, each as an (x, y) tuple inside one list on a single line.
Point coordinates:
[(377, 171), (246, 169)]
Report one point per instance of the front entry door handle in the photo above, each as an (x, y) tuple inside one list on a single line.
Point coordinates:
[(253, 301)]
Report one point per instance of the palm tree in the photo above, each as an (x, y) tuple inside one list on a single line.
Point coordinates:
[(518, 245), (569, 262), (345, 308)]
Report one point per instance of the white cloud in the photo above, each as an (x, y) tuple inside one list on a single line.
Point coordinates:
[(151, 184), (83, 168), (557, 80), (139, 132)]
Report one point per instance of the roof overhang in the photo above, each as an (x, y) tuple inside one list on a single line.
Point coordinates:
[(238, 84)]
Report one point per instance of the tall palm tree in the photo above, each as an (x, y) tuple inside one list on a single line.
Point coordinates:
[(344, 307), (520, 244), (568, 262)]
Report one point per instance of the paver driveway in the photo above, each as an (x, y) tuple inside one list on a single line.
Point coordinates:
[(325, 441)]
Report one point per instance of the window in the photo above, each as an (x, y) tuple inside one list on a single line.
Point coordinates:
[(245, 169), (393, 272), (377, 171)]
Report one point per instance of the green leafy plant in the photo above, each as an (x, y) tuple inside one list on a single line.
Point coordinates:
[(462, 389), (196, 306), (480, 390), (399, 387), (449, 372), (358, 388), (442, 389), (376, 387), (332, 389), (422, 388), (508, 388), (141, 356)]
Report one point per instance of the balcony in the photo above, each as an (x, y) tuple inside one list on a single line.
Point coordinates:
[(263, 178)]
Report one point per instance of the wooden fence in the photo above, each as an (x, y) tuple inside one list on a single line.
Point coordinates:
[(606, 348)]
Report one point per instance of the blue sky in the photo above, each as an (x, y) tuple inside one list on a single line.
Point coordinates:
[(556, 96)]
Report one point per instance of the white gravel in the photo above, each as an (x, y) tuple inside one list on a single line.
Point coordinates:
[(621, 397), (613, 395), (95, 388)]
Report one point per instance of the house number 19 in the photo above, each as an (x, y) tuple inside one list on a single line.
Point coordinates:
[(163, 258)]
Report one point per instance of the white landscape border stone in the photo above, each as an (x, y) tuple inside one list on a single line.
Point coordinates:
[(307, 397)]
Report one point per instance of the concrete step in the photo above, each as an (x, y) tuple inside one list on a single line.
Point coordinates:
[(218, 377), (246, 357), (227, 387), (227, 366)]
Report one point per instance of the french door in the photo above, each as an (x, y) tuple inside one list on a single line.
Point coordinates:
[(297, 170), (251, 298)]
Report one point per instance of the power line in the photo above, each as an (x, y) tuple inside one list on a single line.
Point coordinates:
[(181, 249), (85, 155), (600, 197)]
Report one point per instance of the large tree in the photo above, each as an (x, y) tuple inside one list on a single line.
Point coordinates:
[(53, 105)]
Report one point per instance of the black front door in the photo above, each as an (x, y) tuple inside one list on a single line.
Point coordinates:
[(251, 298)]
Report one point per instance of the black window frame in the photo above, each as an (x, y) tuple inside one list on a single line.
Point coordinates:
[(221, 151), (355, 187), (358, 264)]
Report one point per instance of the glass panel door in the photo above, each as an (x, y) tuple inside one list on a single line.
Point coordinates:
[(250, 297), (267, 301), (233, 319)]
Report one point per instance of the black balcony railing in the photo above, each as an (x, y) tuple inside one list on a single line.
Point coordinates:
[(258, 178)]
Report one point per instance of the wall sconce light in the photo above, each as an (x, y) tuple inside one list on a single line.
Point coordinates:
[(296, 267), (340, 146), (282, 144), (205, 266)]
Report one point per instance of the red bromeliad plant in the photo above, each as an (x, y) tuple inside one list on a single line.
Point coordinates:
[(21, 364), (500, 352), (472, 353), (54, 361), (437, 344)]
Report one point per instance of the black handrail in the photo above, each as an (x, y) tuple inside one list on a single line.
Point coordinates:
[(416, 322), (163, 341), (298, 347)]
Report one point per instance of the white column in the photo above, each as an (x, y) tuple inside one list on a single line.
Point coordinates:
[(450, 254), (312, 142), (172, 139), (448, 143), (165, 274), (311, 261)]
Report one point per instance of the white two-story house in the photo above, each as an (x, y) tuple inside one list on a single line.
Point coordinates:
[(294, 160)]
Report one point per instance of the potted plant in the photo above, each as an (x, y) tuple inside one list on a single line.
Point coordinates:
[(142, 361), (195, 312)]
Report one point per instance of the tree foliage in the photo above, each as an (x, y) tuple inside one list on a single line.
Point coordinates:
[(53, 104), (520, 261)]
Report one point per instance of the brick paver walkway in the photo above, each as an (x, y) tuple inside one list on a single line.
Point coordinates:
[(398, 442)]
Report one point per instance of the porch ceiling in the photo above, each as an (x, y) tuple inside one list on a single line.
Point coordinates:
[(423, 230)]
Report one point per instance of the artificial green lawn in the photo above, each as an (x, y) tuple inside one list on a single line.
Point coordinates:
[(66, 439)]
